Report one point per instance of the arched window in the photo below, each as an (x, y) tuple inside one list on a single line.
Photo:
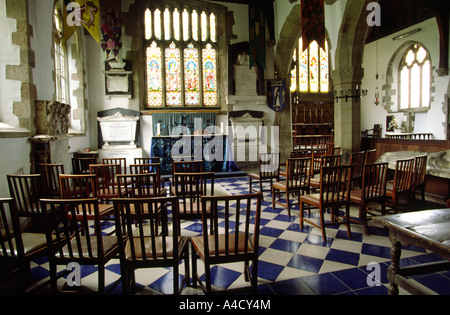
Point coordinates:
[(181, 57), (310, 72), (415, 79), (61, 74)]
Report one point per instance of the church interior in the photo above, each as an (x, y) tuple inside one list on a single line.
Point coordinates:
[(231, 83)]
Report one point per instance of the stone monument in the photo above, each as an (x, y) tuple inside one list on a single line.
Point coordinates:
[(118, 134)]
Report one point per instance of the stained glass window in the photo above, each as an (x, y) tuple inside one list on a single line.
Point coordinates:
[(154, 75), (191, 75), (181, 57), (209, 76), (173, 76), (310, 73), (415, 79)]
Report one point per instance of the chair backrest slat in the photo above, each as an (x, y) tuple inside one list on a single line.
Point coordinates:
[(11, 244), (335, 184), (26, 191), (144, 225), (232, 240)]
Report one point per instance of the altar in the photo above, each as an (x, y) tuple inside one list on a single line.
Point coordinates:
[(213, 149)]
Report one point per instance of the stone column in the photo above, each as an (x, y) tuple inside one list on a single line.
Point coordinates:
[(347, 111)]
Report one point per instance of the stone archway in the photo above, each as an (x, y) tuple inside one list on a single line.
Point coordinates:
[(348, 74)]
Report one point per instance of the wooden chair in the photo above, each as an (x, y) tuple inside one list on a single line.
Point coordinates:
[(106, 180), (50, 179), (140, 185), (145, 168), (297, 154), (297, 181), (121, 161), (334, 193), (78, 238), (325, 160), (26, 190), (357, 161), (419, 176), (148, 160), (189, 188), (269, 171), (317, 154), (371, 156), (401, 184), (149, 244), (448, 204), (80, 165), (188, 166), (17, 249), (235, 242), (373, 190), (83, 186)]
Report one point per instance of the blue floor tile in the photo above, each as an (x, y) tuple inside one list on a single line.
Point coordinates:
[(325, 284), (343, 257), (306, 263)]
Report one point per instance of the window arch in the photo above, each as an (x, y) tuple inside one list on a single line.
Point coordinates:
[(310, 71), (181, 57), (415, 79)]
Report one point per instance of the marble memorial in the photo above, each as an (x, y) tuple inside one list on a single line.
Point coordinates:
[(120, 130)]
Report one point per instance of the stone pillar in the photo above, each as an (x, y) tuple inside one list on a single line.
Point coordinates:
[(347, 111)]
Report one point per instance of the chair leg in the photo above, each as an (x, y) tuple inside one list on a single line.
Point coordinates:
[(246, 268), (301, 213), (363, 217), (208, 278), (288, 203), (53, 278), (273, 198), (176, 281), (347, 218), (322, 223), (101, 279), (194, 267), (254, 280), (186, 267)]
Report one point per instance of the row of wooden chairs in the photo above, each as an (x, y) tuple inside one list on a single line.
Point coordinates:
[(361, 182), (137, 206)]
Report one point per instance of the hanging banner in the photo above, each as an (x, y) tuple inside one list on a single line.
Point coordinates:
[(82, 13), (276, 94), (257, 28), (313, 22), (111, 28)]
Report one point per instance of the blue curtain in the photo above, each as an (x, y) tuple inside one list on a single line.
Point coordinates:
[(169, 122)]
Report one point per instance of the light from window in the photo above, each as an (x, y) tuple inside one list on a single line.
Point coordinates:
[(310, 73), (415, 79), (181, 58), (61, 75)]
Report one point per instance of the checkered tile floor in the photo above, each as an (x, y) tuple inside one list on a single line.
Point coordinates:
[(291, 261)]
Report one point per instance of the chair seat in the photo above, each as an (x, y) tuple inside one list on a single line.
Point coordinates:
[(280, 185), (355, 195), (159, 248), (198, 243), (32, 242), (314, 199), (109, 244)]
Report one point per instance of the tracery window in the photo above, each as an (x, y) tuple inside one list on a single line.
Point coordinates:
[(310, 72), (415, 79), (181, 57)]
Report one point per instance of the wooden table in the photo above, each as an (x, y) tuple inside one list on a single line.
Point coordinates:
[(428, 229)]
